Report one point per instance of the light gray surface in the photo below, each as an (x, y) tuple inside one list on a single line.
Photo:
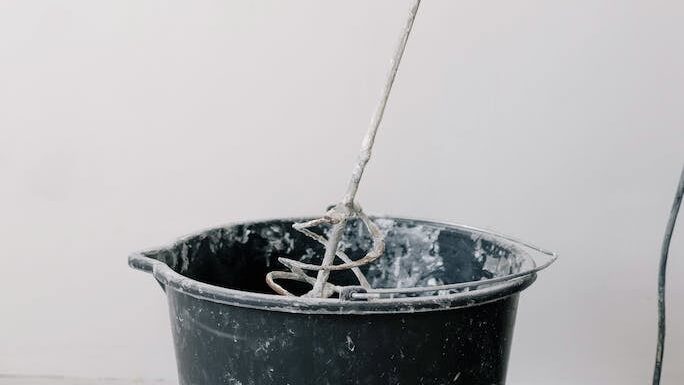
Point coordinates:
[(560, 123), (9, 379)]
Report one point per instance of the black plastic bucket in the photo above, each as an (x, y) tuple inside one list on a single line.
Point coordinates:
[(450, 322)]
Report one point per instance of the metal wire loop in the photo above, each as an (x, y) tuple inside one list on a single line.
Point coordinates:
[(298, 269)]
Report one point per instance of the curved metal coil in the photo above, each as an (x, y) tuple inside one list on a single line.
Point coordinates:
[(298, 269)]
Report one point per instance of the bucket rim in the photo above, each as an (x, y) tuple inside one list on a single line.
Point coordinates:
[(484, 291)]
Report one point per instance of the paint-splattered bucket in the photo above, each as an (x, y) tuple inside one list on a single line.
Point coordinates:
[(441, 310)]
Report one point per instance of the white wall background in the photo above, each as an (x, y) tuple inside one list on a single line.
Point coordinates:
[(124, 124)]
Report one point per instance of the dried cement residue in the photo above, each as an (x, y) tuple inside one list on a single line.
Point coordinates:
[(411, 256)]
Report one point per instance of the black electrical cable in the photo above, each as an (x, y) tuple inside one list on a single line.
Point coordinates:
[(661, 279)]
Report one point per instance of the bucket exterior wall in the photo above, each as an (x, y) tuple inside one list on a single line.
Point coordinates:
[(223, 344)]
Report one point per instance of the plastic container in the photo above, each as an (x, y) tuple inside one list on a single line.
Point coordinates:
[(441, 311)]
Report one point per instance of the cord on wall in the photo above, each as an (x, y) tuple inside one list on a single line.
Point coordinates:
[(661, 278)]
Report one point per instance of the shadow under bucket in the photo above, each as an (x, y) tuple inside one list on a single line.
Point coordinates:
[(441, 309)]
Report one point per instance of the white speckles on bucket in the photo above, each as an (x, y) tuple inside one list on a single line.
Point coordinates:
[(350, 344), (412, 256)]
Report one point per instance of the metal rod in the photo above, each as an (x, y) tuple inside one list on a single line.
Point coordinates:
[(347, 208), (364, 157)]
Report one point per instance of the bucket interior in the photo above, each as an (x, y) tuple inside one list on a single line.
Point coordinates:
[(416, 254)]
